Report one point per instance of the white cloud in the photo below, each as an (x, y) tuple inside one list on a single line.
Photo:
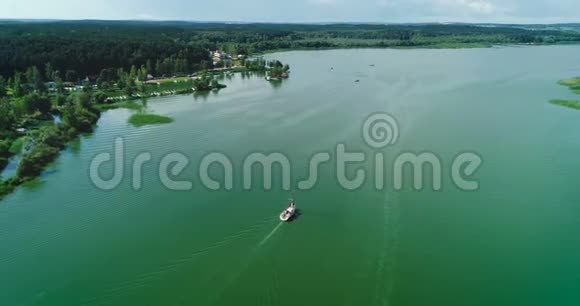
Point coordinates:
[(472, 6), (324, 2), (508, 11), (145, 17), (384, 3)]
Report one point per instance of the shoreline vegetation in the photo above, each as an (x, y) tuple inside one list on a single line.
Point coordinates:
[(574, 85), (37, 123), (54, 82), (39, 140), (575, 104)]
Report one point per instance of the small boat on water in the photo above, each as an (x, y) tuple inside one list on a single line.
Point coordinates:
[(289, 212)]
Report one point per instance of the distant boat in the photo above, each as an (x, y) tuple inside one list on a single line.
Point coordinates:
[(372, 65), (356, 81)]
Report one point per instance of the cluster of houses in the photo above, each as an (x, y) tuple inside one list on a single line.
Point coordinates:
[(139, 95), (68, 86), (221, 58), (71, 86)]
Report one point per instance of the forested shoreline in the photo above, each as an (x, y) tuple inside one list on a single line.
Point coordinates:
[(73, 70), (85, 48)]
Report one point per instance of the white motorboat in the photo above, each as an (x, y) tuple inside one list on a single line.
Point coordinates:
[(288, 213)]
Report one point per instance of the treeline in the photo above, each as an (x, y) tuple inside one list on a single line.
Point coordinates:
[(75, 54), (74, 50)]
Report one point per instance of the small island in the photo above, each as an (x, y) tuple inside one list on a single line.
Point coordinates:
[(142, 119), (277, 71), (575, 104), (574, 85)]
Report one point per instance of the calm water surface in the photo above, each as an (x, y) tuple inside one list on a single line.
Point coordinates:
[(516, 241)]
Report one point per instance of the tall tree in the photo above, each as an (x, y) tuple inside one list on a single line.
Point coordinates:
[(84, 100), (17, 89), (7, 118), (35, 102), (71, 76), (3, 86), (149, 66), (49, 72), (133, 72), (35, 78), (158, 68), (59, 86), (142, 74)]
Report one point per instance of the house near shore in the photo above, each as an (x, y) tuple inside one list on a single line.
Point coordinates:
[(219, 57), (51, 86), (219, 54), (69, 86)]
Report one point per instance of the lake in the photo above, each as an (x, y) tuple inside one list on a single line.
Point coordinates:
[(515, 241)]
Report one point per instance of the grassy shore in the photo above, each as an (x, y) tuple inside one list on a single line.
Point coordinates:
[(573, 84), (141, 119), (129, 104), (441, 45), (575, 104)]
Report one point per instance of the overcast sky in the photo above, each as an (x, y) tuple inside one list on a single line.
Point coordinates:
[(500, 11)]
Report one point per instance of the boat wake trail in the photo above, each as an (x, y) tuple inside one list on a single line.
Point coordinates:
[(246, 264), (270, 234), (385, 273)]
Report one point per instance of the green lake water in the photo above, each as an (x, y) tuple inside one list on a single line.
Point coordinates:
[(515, 241)]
